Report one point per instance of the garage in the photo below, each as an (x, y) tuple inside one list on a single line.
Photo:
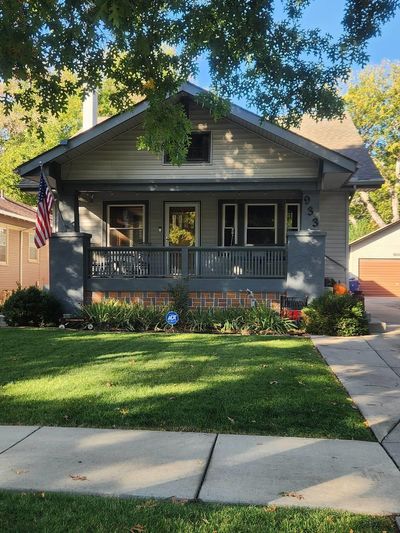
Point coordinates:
[(374, 259), (380, 277)]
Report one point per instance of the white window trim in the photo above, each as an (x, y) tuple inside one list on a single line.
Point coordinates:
[(29, 247), (246, 209), (5, 263), (194, 163), (196, 205), (298, 217), (125, 205), (235, 222)]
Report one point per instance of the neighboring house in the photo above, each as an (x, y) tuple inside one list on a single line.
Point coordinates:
[(375, 261), (255, 207), (21, 263)]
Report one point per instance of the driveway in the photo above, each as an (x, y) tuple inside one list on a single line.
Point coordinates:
[(384, 309)]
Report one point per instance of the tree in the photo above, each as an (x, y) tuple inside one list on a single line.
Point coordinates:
[(255, 49), (373, 99), (18, 143)]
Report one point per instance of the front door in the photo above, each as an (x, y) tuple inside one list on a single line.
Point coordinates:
[(182, 224)]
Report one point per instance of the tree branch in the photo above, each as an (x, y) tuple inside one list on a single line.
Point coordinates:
[(364, 197)]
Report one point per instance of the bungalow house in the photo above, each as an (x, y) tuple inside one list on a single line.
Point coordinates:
[(21, 263), (254, 207)]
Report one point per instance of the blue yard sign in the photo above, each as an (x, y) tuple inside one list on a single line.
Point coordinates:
[(172, 318)]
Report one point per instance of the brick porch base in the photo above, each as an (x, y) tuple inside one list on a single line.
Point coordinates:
[(196, 299)]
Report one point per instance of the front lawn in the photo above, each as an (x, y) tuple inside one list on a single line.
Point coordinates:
[(213, 383), (58, 513)]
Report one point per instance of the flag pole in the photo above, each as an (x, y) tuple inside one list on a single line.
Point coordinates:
[(42, 173)]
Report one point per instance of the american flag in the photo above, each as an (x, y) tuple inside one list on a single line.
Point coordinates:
[(45, 203)]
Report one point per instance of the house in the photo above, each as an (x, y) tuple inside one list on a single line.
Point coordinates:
[(375, 261), (21, 263), (254, 207)]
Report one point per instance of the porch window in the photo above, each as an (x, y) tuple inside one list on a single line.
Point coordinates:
[(3, 245), (199, 149), (229, 224), (33, 252), (126, 225), (260, 224), (292, 217)]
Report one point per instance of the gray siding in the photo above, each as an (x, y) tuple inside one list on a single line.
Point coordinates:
[(236, 153), (91, 213), (333, 220)]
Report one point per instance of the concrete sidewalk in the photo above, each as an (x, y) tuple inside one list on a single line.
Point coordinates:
[(349, 475), (369, 368)]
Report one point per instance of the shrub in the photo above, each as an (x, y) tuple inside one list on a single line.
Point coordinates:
[(335, 314), (180, 301), (31, 307), (263, 319), (113, 314)]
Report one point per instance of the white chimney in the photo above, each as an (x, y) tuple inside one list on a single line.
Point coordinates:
[(89, 111)]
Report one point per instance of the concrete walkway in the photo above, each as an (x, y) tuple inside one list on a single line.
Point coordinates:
[(383, 309), (369, 368), (349, 475)]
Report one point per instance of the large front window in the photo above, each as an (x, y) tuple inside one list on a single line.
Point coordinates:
[(260, 224), (126, 225)]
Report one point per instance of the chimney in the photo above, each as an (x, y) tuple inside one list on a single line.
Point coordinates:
[(89, 110)]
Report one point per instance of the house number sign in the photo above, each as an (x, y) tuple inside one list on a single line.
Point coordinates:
[(310, 211)]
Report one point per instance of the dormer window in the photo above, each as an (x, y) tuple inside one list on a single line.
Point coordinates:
[(199, 148)]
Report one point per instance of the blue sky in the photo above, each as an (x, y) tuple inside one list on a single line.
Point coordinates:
[(327, 15)]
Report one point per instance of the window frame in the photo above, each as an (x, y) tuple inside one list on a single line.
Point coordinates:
[(30, 260), (236, 220), (298, 217), (195, 163), (7, 233), (246, 227), (125, 204)]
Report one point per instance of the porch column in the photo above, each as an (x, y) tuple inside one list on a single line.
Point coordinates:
[(306, 263), (68, 212), (69, 268), (310, 211)]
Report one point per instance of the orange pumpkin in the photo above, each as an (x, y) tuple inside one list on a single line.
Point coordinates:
[(339, 288)]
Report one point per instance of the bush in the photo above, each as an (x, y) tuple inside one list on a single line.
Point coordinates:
[(179, 294), (113, 314), (335, 314), (31, 307)]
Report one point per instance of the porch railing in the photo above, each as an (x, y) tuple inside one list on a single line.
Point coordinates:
[(192, 262)]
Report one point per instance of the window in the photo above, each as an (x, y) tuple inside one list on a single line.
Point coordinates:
[(260, 224), (199, 148), (3, 245), (126, 225), (292, 217), (33, 252), (229, 224)]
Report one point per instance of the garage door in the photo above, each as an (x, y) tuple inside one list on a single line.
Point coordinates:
[(380, 277)]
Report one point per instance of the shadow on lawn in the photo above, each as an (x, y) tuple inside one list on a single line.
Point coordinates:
[(224, 384)]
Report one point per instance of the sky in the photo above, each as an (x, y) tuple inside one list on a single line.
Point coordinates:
[(327, 15)]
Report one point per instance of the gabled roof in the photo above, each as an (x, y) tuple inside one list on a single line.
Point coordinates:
[(123, 121), (13, 209), (343, 137), (377, 233)]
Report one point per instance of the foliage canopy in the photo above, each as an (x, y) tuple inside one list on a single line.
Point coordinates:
[(257, 50)]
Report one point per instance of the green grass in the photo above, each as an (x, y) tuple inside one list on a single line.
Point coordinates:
[(58, 513), (212, 383)]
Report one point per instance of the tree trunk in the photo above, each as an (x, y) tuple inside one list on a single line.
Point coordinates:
[(371, 209)]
